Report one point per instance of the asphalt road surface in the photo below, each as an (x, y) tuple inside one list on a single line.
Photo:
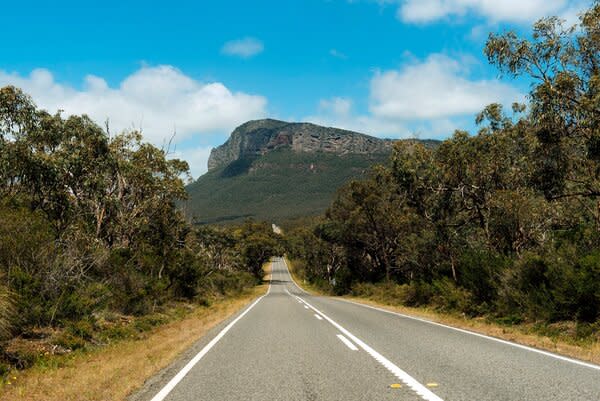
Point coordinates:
[(289, 345)]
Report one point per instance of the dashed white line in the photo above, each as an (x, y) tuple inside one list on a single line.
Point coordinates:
[(498, 340), (505, 342), (407, 379), (347, 342), (305, 307), (318, 317)]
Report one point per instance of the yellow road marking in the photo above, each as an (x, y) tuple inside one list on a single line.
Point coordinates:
[(432, 384), (396, 385)]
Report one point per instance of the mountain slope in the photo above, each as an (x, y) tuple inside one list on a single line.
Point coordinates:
[(274, 170), (280, 185)]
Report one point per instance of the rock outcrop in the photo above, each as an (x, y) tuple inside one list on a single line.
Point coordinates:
[(256, 138)]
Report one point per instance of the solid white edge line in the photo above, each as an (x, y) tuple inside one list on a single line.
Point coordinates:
[(186, 369), (407, 379), (498, 340), (318, 317), (347, 342)]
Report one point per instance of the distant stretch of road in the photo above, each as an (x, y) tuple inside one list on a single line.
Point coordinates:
[(289, 345)]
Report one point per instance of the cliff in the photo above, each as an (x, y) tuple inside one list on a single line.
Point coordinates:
[(256, 138)]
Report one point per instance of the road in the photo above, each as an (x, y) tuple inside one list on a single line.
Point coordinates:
[(289, 345)]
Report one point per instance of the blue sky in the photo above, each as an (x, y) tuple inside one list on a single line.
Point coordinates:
[(390, 68)]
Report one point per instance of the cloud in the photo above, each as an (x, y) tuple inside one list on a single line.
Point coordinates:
[(337, 54), (519, 11), (437, 87), (196, 157), (338, 105), (572, 12), (337, 112), (158, 100), (365, 124), (245, 47), (428, 98)]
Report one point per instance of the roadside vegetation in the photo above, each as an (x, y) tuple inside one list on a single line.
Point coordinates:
[(502, 224), (116, 370), (93, 248)]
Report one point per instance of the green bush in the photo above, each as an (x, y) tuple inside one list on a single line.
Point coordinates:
[(83, 329), (527, 290), (70, 341), (146, 323), (449, 297), (478, 272), (587, 288)]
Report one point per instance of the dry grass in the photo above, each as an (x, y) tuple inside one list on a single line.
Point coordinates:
[(522, 334), (111, 373)]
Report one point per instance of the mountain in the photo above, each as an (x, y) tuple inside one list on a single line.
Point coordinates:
[(275, 170), (256, 138)]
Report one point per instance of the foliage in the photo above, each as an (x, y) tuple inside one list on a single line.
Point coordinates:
[(89, 223), (295, 189), (505, 222)]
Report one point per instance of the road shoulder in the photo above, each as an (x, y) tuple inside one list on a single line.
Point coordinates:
[(115, 371), (519, 334)]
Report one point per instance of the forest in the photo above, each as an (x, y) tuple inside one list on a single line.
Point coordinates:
[(92, 233), (504, 222)]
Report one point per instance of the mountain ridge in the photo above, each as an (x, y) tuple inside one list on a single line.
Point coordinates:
[(276, 171), (257, 137)]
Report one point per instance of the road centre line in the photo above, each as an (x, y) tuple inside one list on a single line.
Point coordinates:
[(407, 379), (318, 317), (498, 340), (347, 342), (162, 394)]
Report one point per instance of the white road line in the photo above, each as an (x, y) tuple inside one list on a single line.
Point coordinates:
[(505, 342), (498, 340), (305, 307), (318, 317), (347, 342), (407, 379), (162, 394)]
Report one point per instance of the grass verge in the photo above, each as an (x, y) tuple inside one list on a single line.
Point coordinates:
[(112, 372), (561, 338)]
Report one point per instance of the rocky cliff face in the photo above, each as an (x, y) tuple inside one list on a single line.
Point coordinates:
[(258, 137)]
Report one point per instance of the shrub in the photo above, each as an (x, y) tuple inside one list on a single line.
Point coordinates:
[(449, 297), (70, 341), (587, 288)]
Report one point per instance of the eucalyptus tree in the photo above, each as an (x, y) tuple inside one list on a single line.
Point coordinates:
[(564, 65)]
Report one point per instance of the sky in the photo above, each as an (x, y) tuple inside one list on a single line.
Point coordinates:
[(194, 70)]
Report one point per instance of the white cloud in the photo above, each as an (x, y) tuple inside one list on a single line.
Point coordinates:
[(245, 47), (365, 124), (437, 87), (337, 112), (339, 106), (520, 11), (572, 12), (197, 158), (159, 100), (429, 98)]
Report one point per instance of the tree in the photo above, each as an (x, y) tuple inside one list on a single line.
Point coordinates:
[(564, 64)]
